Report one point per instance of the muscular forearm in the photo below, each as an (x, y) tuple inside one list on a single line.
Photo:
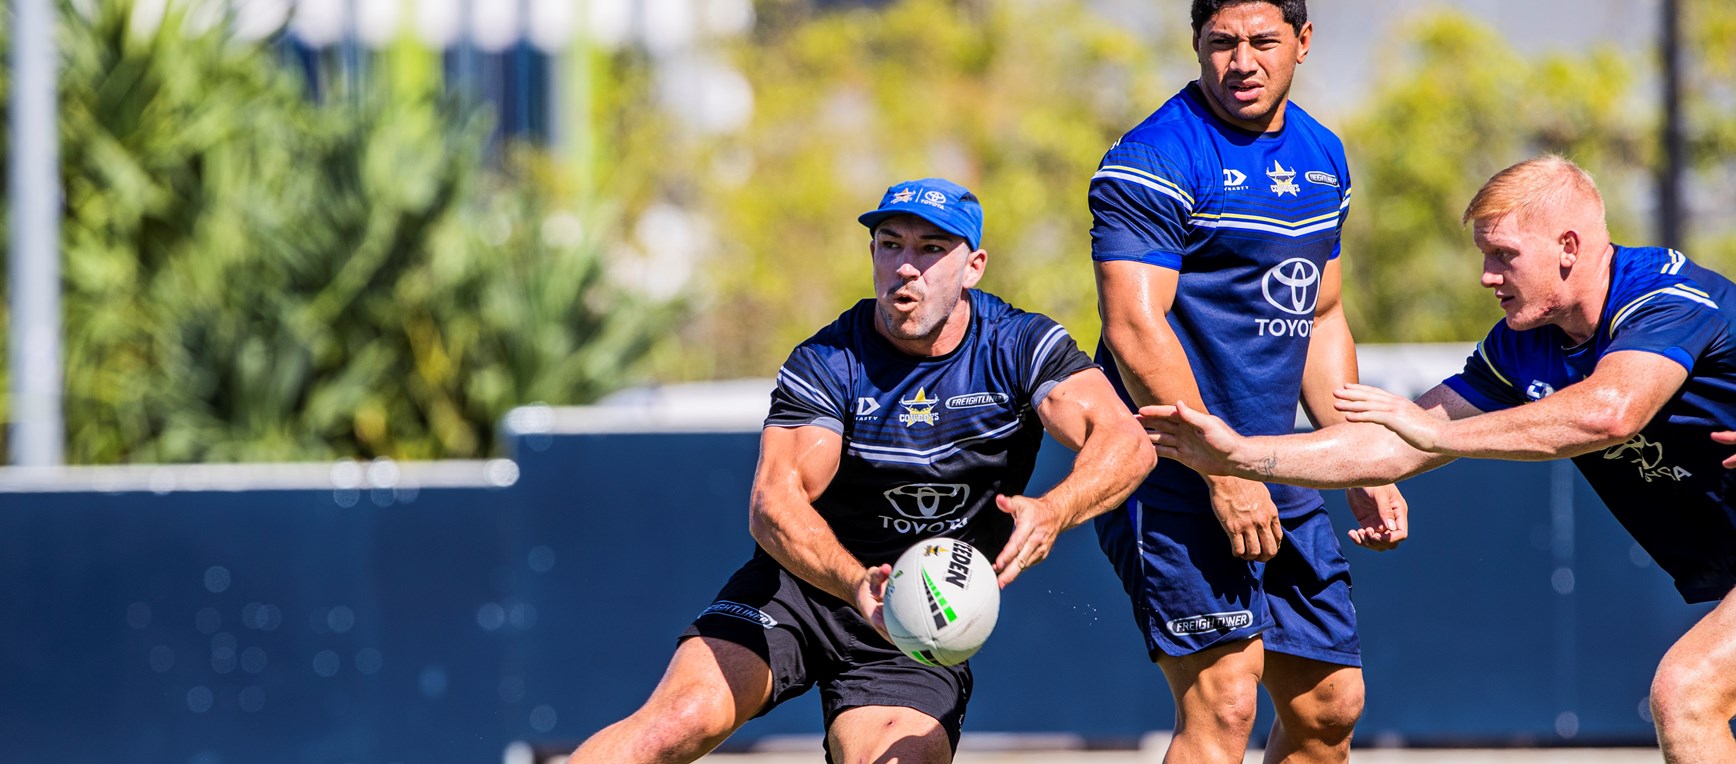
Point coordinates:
[(1523, 436), (1331, 365), (795, 535), (1339, 456), (1108, 467), (1155, 369)]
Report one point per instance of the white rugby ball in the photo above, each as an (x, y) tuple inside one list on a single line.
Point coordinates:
[(942, 601)]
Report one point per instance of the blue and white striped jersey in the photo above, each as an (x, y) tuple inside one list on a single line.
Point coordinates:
[(928, 441), (1250, 220), (1667, 485)]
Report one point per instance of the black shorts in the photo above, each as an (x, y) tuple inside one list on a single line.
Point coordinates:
[(809, 637)]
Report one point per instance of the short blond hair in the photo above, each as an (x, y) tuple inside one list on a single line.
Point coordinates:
[(1549, 183)]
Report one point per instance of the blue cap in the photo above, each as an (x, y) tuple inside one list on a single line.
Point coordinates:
[(942, 202)]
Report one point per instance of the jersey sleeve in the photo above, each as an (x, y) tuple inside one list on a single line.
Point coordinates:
[(1343, 214), (1140, 205), (807, 393), (1050, 356), (1679, 322), (1487, 380)]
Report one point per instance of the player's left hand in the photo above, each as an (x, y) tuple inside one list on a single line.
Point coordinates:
[(1035, 526), (1383, 514), (870, 592), (1361, 403), (1727, 437)]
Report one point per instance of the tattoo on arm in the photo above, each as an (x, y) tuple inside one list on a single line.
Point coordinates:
[(1268, 466)]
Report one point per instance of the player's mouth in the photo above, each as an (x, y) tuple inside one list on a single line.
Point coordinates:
[(902, 300), (1245, 92)]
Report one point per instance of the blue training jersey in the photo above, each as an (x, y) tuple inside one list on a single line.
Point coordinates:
[(1250, 221), (928, 441), (1667, 485)]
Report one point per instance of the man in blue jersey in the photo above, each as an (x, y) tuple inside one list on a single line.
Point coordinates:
[(1216, 242), (918, 413), (1216, 238), (1623, 359)]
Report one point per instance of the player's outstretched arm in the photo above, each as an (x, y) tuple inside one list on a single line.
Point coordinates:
[(1135, 299), (1338, 456), (1084, 414), (796, 465), (1728, 437), (1381, 511), (1607, 408)]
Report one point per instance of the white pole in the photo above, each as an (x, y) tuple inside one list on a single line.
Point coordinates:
[(37, 438)]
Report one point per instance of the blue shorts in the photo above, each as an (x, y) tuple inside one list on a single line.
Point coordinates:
[(1190, 593)]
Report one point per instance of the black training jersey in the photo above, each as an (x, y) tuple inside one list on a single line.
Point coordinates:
[(1666, 485), (928, 441)]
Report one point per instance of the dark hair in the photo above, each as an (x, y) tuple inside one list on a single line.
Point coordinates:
[(1295, 11)]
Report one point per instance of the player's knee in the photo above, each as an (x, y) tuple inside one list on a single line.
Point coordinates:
[(687, 726), (1230, 703), (1685, 691), (1332, 709)]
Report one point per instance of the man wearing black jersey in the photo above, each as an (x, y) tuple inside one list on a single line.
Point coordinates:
[(918, 413)]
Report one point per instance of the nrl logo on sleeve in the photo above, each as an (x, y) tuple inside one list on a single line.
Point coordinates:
[(1322, 178)]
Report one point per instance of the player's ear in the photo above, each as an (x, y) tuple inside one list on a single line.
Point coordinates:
[(1304, 38), (1570, 244), (974, 264)]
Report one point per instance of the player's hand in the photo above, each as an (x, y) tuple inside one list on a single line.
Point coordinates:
[(870, 591), (1195, 438), (1035, 526), (1383, 515), (1361, 403), (1727, 437), (1249, 517)]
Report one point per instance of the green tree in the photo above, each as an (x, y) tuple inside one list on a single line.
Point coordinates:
[(250, 275), (1457, 103), (1016, 100)]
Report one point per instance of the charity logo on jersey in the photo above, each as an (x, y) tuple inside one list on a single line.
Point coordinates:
[(1649, 457), (903, 195), (1234, 180), (918, 409), (1283, 181), (1538, 390)]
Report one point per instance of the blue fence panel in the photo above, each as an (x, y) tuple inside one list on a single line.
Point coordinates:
[(440, 625)]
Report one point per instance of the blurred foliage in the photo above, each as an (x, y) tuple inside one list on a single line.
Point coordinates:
[(251, 275), (1456, 104), (1017, 101)]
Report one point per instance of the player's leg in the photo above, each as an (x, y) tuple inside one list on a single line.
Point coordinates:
[(1694, 691), (1317, 705), (711, 688), (887, 735), (1215, 693), (881, 706), (1313, 655), (1202, 613)]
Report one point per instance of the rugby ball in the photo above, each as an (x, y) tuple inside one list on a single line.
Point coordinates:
[(941, 602)]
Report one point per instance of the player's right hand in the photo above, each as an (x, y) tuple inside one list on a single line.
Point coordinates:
[(870, 591), (1249, 517), (1727, 437), (1195, 438)]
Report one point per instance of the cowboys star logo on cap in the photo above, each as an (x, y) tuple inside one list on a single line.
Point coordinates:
[(903, 195)]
